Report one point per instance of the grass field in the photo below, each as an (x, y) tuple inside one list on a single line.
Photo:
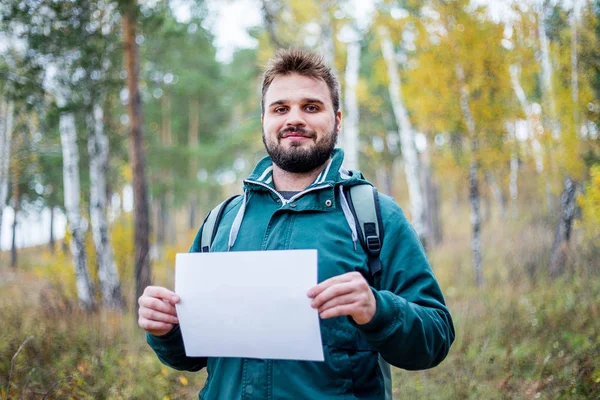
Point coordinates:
[(520, 336)]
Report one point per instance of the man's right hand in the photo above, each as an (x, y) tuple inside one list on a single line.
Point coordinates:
[(157, 313)]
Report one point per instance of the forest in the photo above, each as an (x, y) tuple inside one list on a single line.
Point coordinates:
[(122, 126)]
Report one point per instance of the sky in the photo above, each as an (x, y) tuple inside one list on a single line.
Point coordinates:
[(229, 21)]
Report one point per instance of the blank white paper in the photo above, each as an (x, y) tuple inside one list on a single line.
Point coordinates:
[(248, 304)]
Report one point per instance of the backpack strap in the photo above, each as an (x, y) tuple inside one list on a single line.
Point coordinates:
[(211, 225), (364, 204)]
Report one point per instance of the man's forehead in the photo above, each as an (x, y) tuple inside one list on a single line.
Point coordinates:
[(294, 87)]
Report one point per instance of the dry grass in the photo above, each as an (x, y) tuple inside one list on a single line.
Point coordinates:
[(520, 336)]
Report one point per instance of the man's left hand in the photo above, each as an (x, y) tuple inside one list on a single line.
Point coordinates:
[(347, 294)]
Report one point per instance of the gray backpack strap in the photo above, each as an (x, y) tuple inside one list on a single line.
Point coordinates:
[(211, 225), (364, 204)]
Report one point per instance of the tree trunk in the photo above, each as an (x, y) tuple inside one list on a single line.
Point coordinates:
[(85, 289), (165, 116), (476, 223), (473, 180), (327, 42), (194, 126), (51, 243), (141, 221), (437, 232), (271, 23), (574, 63), (532, 124), (514, 189), (108, 274), (532, 128), (431, 200), (6, 128), (563, 229), (407, 138), (13, 247), (497, 193), (546, 66), (351, 134)]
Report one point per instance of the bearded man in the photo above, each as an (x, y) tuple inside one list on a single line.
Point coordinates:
[(295, 199)]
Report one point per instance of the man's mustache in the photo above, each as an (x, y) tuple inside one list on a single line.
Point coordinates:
[(296, 131)]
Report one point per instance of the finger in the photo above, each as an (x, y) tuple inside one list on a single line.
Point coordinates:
[(338, 301), (314, 291), (149, 325), (332, 292), (161, 293), (338, 311), (158, 305), (157, 316)]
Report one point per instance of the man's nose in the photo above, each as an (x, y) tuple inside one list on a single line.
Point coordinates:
[(295, 117)]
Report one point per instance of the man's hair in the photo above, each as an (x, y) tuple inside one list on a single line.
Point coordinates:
[(302, 62)]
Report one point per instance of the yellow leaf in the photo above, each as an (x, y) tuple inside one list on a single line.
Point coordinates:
[(166, 398), (183, 380), (164, 371)]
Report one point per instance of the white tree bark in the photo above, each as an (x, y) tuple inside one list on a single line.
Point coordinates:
[(546, 65), (107, 269), (497, 192), (532, 124), (6, 128), (327, 43), (351, 133), (407, 137), (514, 175), (85, 289), (474, 197), (574, 65)]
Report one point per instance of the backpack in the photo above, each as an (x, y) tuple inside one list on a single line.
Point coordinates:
[(363, 201), (364, 204)]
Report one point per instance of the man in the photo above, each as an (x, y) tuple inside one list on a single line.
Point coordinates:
[(295, 199)]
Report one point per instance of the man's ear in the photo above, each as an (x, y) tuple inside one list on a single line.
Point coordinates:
[(338, 119), (262, 118)]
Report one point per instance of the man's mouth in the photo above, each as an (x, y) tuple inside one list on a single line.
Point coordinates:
[(296, 134)]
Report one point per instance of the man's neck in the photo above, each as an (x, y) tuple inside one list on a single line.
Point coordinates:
[(289, 181)]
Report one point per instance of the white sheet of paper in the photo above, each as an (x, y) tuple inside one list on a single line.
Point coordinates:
[(248, 304)]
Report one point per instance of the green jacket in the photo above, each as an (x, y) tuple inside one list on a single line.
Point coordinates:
[(412, 328)]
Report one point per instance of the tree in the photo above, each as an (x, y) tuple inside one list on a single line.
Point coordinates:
[(407, 137), (136, 153)]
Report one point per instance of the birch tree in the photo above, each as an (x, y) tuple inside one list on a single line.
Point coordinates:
[(351, 134), (68, 138), (547, 74), (407, 136), (6, 130), (108, 274), (474, 198)]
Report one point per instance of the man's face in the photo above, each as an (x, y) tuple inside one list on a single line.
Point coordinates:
[(300, 127)]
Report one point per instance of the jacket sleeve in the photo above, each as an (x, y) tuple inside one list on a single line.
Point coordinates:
[(412, 327), (169, 348)]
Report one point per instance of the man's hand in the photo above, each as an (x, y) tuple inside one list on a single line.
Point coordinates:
[(157, 310), (347, 294)]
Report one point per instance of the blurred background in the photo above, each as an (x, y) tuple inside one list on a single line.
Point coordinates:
[(123, 123)]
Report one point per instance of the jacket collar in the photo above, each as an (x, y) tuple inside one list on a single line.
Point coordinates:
[(334, 173)]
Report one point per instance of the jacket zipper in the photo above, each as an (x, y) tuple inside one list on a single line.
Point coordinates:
[(294, 197)]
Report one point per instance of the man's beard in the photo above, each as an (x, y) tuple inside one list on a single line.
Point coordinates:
[(298, 159)]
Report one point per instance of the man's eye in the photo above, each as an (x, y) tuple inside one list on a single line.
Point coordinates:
[(311, 108), (280, 110)]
